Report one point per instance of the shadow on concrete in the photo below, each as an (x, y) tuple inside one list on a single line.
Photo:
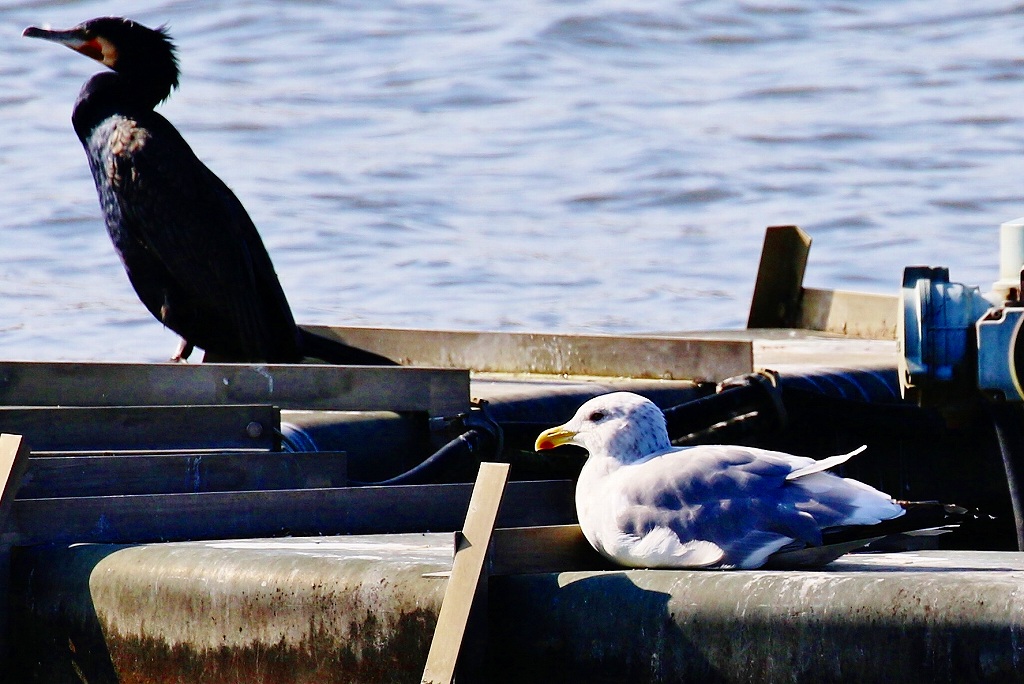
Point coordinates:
[(56, 636), (591, 628), (655, 627)]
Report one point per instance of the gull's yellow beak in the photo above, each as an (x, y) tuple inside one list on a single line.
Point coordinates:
[(553, 437)]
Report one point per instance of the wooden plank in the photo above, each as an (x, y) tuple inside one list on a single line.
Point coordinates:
[(776, 299), (242, 515), (107, 475), (540, 549), (144, 427), (14, 453), (854, 314), (439, 392), (637, 356), (467, 574)]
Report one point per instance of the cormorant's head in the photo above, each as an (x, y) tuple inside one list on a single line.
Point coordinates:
[(135, 51)]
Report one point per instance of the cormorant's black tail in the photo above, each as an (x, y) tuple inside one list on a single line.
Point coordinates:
[(331, 351)]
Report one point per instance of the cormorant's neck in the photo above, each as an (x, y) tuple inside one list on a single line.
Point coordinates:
[(109, 93)]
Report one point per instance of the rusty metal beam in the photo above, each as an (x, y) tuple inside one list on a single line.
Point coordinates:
[(636, 356), (144, 428), (854, 314), (781, 301), (178, 473), (776, 299), (287, 512), (438, 392)]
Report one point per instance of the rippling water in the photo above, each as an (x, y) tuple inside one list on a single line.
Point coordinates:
[(542, 166)]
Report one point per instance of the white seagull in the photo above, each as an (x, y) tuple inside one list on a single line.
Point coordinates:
[(643, 503)]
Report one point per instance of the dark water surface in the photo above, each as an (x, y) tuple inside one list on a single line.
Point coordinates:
[(536, 166)]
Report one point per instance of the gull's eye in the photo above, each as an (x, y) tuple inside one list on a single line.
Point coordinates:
[(596, 416)]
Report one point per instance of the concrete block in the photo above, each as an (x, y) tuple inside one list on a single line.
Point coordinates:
[(363, 609)]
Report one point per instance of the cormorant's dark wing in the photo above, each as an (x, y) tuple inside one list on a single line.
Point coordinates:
[(222, 292)]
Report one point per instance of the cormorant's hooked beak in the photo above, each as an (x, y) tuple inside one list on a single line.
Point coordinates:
[(79, 40), (553, 437)]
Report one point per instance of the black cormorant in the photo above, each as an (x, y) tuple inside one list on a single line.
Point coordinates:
[(189, 247)]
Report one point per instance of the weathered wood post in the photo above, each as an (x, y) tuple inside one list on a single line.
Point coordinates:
[(13, 459), (467, 584)]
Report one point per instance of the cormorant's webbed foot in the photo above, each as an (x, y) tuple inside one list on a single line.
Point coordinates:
[(183, 351)]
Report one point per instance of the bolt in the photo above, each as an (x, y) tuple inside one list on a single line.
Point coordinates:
[(254, 429)]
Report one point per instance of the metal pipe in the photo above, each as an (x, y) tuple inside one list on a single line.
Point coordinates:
[(1008, 421)]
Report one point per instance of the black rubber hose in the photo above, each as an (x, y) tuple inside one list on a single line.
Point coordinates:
[(471, 442), (1008, 421), (751, 400), (760, 406)]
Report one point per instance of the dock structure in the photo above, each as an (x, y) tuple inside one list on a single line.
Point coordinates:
[(365, 608), (223, 523)]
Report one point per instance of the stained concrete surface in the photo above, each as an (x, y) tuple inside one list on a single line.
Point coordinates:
[(363, 609)]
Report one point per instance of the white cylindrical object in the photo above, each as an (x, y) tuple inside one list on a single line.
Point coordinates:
[(1011, 249), (1011, 255)]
